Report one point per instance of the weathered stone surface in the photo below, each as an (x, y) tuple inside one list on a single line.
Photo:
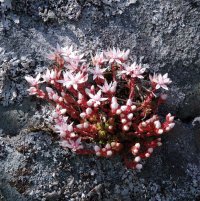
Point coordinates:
[(40, 169), (163, 34)]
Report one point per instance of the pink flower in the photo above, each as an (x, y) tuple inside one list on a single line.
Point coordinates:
[(98, 72), (54, 55), (116, 55), (71, 56), (33, 81), (98, 59), (134, 70), (108, 87), (51, 75), (72, 66), (74, 145), (95, 99), (32, 91), (68, 51), (73, 79), (76, 58), (160, 81)]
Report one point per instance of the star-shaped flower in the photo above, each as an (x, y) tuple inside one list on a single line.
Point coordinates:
[(134, 70), (116, 55), (98, 72), (160, 81), (108, 87), (73, 79), (74, 145), (95, 99), (33, 81), (98, 59)]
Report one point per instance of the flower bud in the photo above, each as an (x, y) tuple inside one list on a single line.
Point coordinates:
[(96, 148), (137, 159), (125, 128), (88, 111), (133, 107), (157, 124), (107, 146), (130, 116), (82, 115), (138, 166), (123, 121), (109, 153), (123, 107), (150, 150)]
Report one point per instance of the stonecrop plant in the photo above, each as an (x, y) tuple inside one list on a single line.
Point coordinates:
[(105, 107)]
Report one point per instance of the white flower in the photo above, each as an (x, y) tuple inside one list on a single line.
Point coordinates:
[(108, 87), (95, 98), (116, 55), (160, 81), (98, 59), (134, 70), (74, 145), (62, 128), (33, 81), (71, 56), (50, 75), (68, 51), (73, 79), (98, 72), (72, 66)]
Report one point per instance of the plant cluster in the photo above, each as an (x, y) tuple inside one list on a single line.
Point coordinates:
[(105, 107)]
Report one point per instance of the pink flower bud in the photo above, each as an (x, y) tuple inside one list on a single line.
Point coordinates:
[(138, 166), (147, 155), (113, 144), (88, 111), (144, 124), (86, 124), (123, 107), (137, 159), (123, 121), (60, 99), (96, 148), (109, 153), (110, 127), (125, 128), (150, 150), (72, 135), (118, 111), (137, 145), (82, 115), (157, 124), (133, 107), (107, 146), (130, 116)]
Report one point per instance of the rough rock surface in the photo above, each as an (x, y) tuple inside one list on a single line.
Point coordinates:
[(163, 34)]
